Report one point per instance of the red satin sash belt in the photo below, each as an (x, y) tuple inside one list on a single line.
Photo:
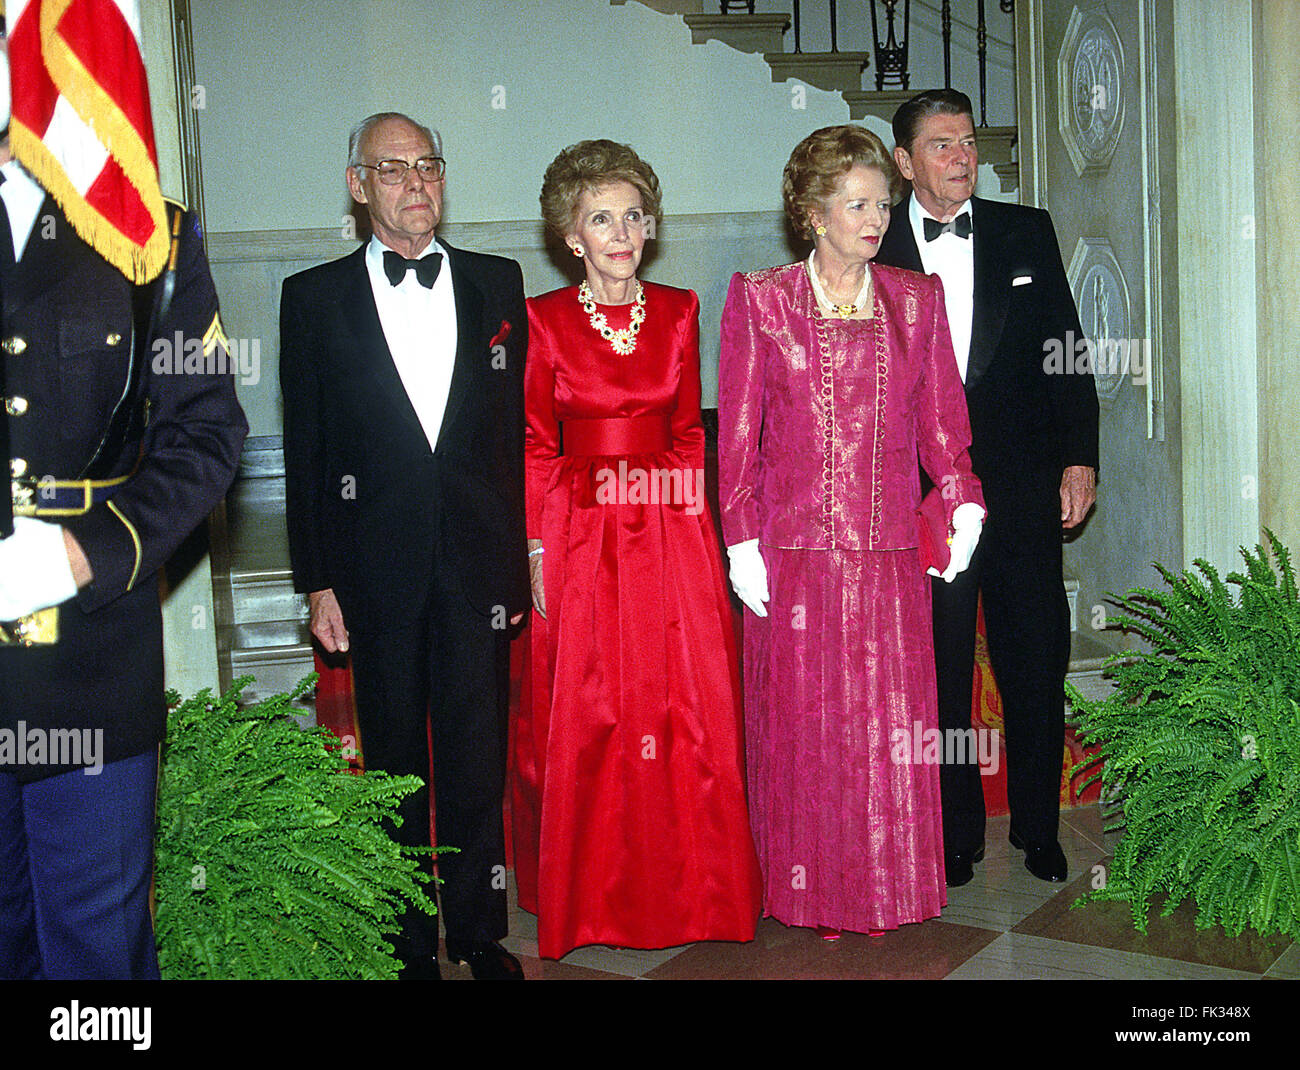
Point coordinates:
[(648, 433)]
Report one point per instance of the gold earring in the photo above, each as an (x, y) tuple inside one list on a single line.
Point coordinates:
[(578, 250), (819, 230)]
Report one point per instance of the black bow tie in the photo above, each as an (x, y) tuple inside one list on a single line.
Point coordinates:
[(960, 226), (426, 268)]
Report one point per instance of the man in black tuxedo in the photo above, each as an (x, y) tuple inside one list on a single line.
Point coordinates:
[(402, 372), (1034, 448)]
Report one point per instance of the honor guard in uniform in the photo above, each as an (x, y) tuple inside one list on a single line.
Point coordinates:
[(121, 432)]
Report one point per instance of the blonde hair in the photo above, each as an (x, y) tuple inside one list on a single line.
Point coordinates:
[(824, 157)]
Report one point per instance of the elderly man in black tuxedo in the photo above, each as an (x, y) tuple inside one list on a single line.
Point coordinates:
[(1034, 448), (402, 372)]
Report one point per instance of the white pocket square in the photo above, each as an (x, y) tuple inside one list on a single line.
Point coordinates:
[(1022, 280)]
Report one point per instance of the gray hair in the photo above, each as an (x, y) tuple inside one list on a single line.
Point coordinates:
[(364, 127)]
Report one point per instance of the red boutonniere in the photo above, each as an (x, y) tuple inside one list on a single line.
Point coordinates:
[(501, 335)]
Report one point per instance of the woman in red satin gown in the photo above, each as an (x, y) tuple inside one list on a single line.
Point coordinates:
[(630, 825)]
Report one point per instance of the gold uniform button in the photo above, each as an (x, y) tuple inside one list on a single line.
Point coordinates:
[(15, 345), (113, 338), (17, 467), (15, 406)]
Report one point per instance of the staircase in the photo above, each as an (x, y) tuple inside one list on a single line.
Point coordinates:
[(764, 34), (268, 636)]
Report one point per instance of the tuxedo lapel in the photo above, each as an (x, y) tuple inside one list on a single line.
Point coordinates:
[(992, 292), (898, 247), (469, 337), (361, 315), (989, 293)]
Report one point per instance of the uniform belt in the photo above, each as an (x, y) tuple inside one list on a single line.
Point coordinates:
[(36, 629), (648, 433), (61, 497)]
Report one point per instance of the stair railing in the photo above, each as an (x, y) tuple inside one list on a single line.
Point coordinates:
[(891, 48)]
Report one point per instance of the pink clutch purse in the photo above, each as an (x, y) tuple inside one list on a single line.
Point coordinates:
[(932, 532)]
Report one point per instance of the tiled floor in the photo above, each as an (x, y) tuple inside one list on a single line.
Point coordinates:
[(1004, 924)]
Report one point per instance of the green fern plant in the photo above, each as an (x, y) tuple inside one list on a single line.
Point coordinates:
[(272, 860), (1200, 748)]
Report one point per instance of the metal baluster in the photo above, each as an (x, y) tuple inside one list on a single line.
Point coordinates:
[(891, 57), (947, 44), (907, 34), (834, 26), (982, 38), (796, 26), (875, 37)]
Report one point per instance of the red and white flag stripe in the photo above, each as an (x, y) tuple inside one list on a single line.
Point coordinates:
[(81, 124)]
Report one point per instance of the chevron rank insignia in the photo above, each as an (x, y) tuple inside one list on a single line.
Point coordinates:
[(215, 336)]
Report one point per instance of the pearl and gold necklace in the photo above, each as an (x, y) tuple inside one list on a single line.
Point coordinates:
[(827, 305), (624, 341)]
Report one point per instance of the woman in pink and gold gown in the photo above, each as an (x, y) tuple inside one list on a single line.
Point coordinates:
[(628, 805), (834, 374)]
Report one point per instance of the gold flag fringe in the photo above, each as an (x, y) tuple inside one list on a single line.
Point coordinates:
[(111, 126)]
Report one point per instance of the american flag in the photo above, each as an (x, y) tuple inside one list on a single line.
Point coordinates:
[(81, 124)]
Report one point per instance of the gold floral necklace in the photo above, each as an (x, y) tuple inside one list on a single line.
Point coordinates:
[(624, 341), (827, 305)]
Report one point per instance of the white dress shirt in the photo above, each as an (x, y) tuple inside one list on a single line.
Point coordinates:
[(953, 260), (23, 198), (420, 328)]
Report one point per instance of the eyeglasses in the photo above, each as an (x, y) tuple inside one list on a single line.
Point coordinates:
[(392, 172)]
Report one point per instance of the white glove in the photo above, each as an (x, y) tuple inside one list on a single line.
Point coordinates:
[(749, 575), (967, 524), (34, 568)]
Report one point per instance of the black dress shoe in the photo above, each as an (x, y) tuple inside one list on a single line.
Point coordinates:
[(1045, 863), (423, 968), (957, 866), (487, 961)]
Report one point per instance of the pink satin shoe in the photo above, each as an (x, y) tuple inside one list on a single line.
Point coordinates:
[(827, 933)]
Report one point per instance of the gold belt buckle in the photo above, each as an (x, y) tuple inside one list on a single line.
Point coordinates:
[(36, 629)]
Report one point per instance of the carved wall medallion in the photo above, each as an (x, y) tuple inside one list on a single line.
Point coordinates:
[(1090, 71), (1101, 294)]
